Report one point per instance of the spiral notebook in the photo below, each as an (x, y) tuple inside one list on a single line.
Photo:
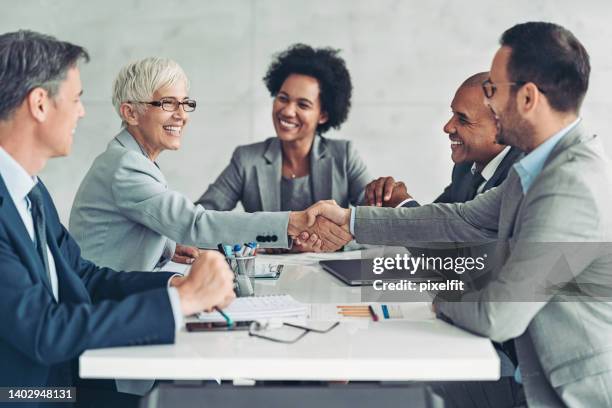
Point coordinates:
[(259, 308)]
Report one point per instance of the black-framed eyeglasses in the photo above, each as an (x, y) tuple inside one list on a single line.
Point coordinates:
[(489, 88), (256, 326), (171, 104)]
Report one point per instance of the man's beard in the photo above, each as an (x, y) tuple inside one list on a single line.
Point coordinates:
[(512, 130)]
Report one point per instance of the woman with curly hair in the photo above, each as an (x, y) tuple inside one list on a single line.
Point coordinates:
[(312, 89)]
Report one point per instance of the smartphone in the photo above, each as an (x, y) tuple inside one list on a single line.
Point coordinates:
[(217, 326)]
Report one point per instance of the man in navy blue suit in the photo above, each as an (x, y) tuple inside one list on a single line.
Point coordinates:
[(480, 163), (54, 303)]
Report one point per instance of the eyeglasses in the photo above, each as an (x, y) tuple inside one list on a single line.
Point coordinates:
[(256, 327), (171, 104), (489, 88)]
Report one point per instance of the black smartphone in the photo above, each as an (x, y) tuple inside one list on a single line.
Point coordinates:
[(217, 326)]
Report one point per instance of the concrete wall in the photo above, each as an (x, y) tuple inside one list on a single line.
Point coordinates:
[(406, 59)]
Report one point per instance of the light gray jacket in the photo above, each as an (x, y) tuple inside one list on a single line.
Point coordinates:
[(124, 213), (559, 232), (254, 176)]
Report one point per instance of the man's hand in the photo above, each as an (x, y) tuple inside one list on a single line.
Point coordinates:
[(330, 210), (333, 235), (185, 254), (386, 192), (210, 283)]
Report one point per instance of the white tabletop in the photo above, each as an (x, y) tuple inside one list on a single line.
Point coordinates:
[(420, 348)]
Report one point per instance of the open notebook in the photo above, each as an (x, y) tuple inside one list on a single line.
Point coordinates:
[(259, 308)]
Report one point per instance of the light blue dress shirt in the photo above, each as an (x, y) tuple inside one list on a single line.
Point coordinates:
[(530, 166), (19, 183)]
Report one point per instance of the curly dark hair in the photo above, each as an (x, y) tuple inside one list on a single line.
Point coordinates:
[(327, 67)]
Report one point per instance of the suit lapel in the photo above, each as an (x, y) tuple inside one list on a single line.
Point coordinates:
[(125, 139), (21, 237), (321, 171), (501, 172), (269, 177)]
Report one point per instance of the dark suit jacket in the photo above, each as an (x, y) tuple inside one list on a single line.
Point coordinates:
[(458, 191), (40, 338)]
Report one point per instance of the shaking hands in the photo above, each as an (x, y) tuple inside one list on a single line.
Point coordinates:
[(323, 226)]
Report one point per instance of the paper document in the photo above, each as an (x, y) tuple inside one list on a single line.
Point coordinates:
[(259, 308)]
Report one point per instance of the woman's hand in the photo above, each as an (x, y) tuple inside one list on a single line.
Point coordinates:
[(307, 243), (185, 254)]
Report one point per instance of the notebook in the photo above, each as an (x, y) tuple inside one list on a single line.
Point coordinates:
[(259, 308)]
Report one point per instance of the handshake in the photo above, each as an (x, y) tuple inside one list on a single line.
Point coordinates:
[(322, 227)]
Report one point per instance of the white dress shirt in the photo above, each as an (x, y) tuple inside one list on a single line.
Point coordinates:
[(489, 170)]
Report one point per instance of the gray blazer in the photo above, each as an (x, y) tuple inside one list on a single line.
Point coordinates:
[(559, 232), (124, 213), (254, 176)]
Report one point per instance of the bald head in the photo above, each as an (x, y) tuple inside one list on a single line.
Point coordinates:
[(472, 127), (475, 80)]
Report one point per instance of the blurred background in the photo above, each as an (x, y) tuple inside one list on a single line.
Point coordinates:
[(406, 59)]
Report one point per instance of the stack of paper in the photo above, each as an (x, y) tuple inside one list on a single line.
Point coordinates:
[(259, 308)]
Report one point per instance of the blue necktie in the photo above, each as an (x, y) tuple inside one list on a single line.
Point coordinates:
[(38, 215)]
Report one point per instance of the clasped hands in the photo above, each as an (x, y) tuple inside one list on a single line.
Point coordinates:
[(322, 227)]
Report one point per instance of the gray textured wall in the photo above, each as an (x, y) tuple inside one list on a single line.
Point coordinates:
[(406, 59)]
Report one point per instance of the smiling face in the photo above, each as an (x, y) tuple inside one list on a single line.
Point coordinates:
[(156, 129), (471, 129), (65, 110), (296, 111), (512, 129)]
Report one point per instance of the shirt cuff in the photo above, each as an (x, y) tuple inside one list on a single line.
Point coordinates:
[(175, 303), (352, 223), (404, 202)]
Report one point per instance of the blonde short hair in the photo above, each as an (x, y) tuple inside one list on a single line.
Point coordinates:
[(138, 80)]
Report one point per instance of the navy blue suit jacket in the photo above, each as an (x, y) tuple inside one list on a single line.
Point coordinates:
[(40, 339)]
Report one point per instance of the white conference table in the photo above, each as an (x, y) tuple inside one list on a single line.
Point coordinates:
[(421, 348)]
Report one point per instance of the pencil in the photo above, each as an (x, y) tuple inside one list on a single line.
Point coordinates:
[(374, 315)]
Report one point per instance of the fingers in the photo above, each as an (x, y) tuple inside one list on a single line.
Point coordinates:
[(381, 185), (369, 193), (333, 236), (227, 300), (188, 260), (312, 244), (379, 190), (389, 184)]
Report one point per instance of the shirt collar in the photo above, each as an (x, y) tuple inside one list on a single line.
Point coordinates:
[(491, 167), (530, 166), (18, 181)]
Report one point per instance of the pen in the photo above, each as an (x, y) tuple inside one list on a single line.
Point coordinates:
[(374, 315), (228, 319), (385, 311)]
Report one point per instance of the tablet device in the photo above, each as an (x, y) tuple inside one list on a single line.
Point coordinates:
[(358, 272)]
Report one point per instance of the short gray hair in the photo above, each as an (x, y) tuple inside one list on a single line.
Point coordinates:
[(138, 80), (30, 60)]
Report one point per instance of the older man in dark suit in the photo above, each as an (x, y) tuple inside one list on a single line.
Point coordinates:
[(480, 163)]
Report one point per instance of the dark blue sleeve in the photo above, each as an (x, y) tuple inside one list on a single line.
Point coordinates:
[(49, 332)]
